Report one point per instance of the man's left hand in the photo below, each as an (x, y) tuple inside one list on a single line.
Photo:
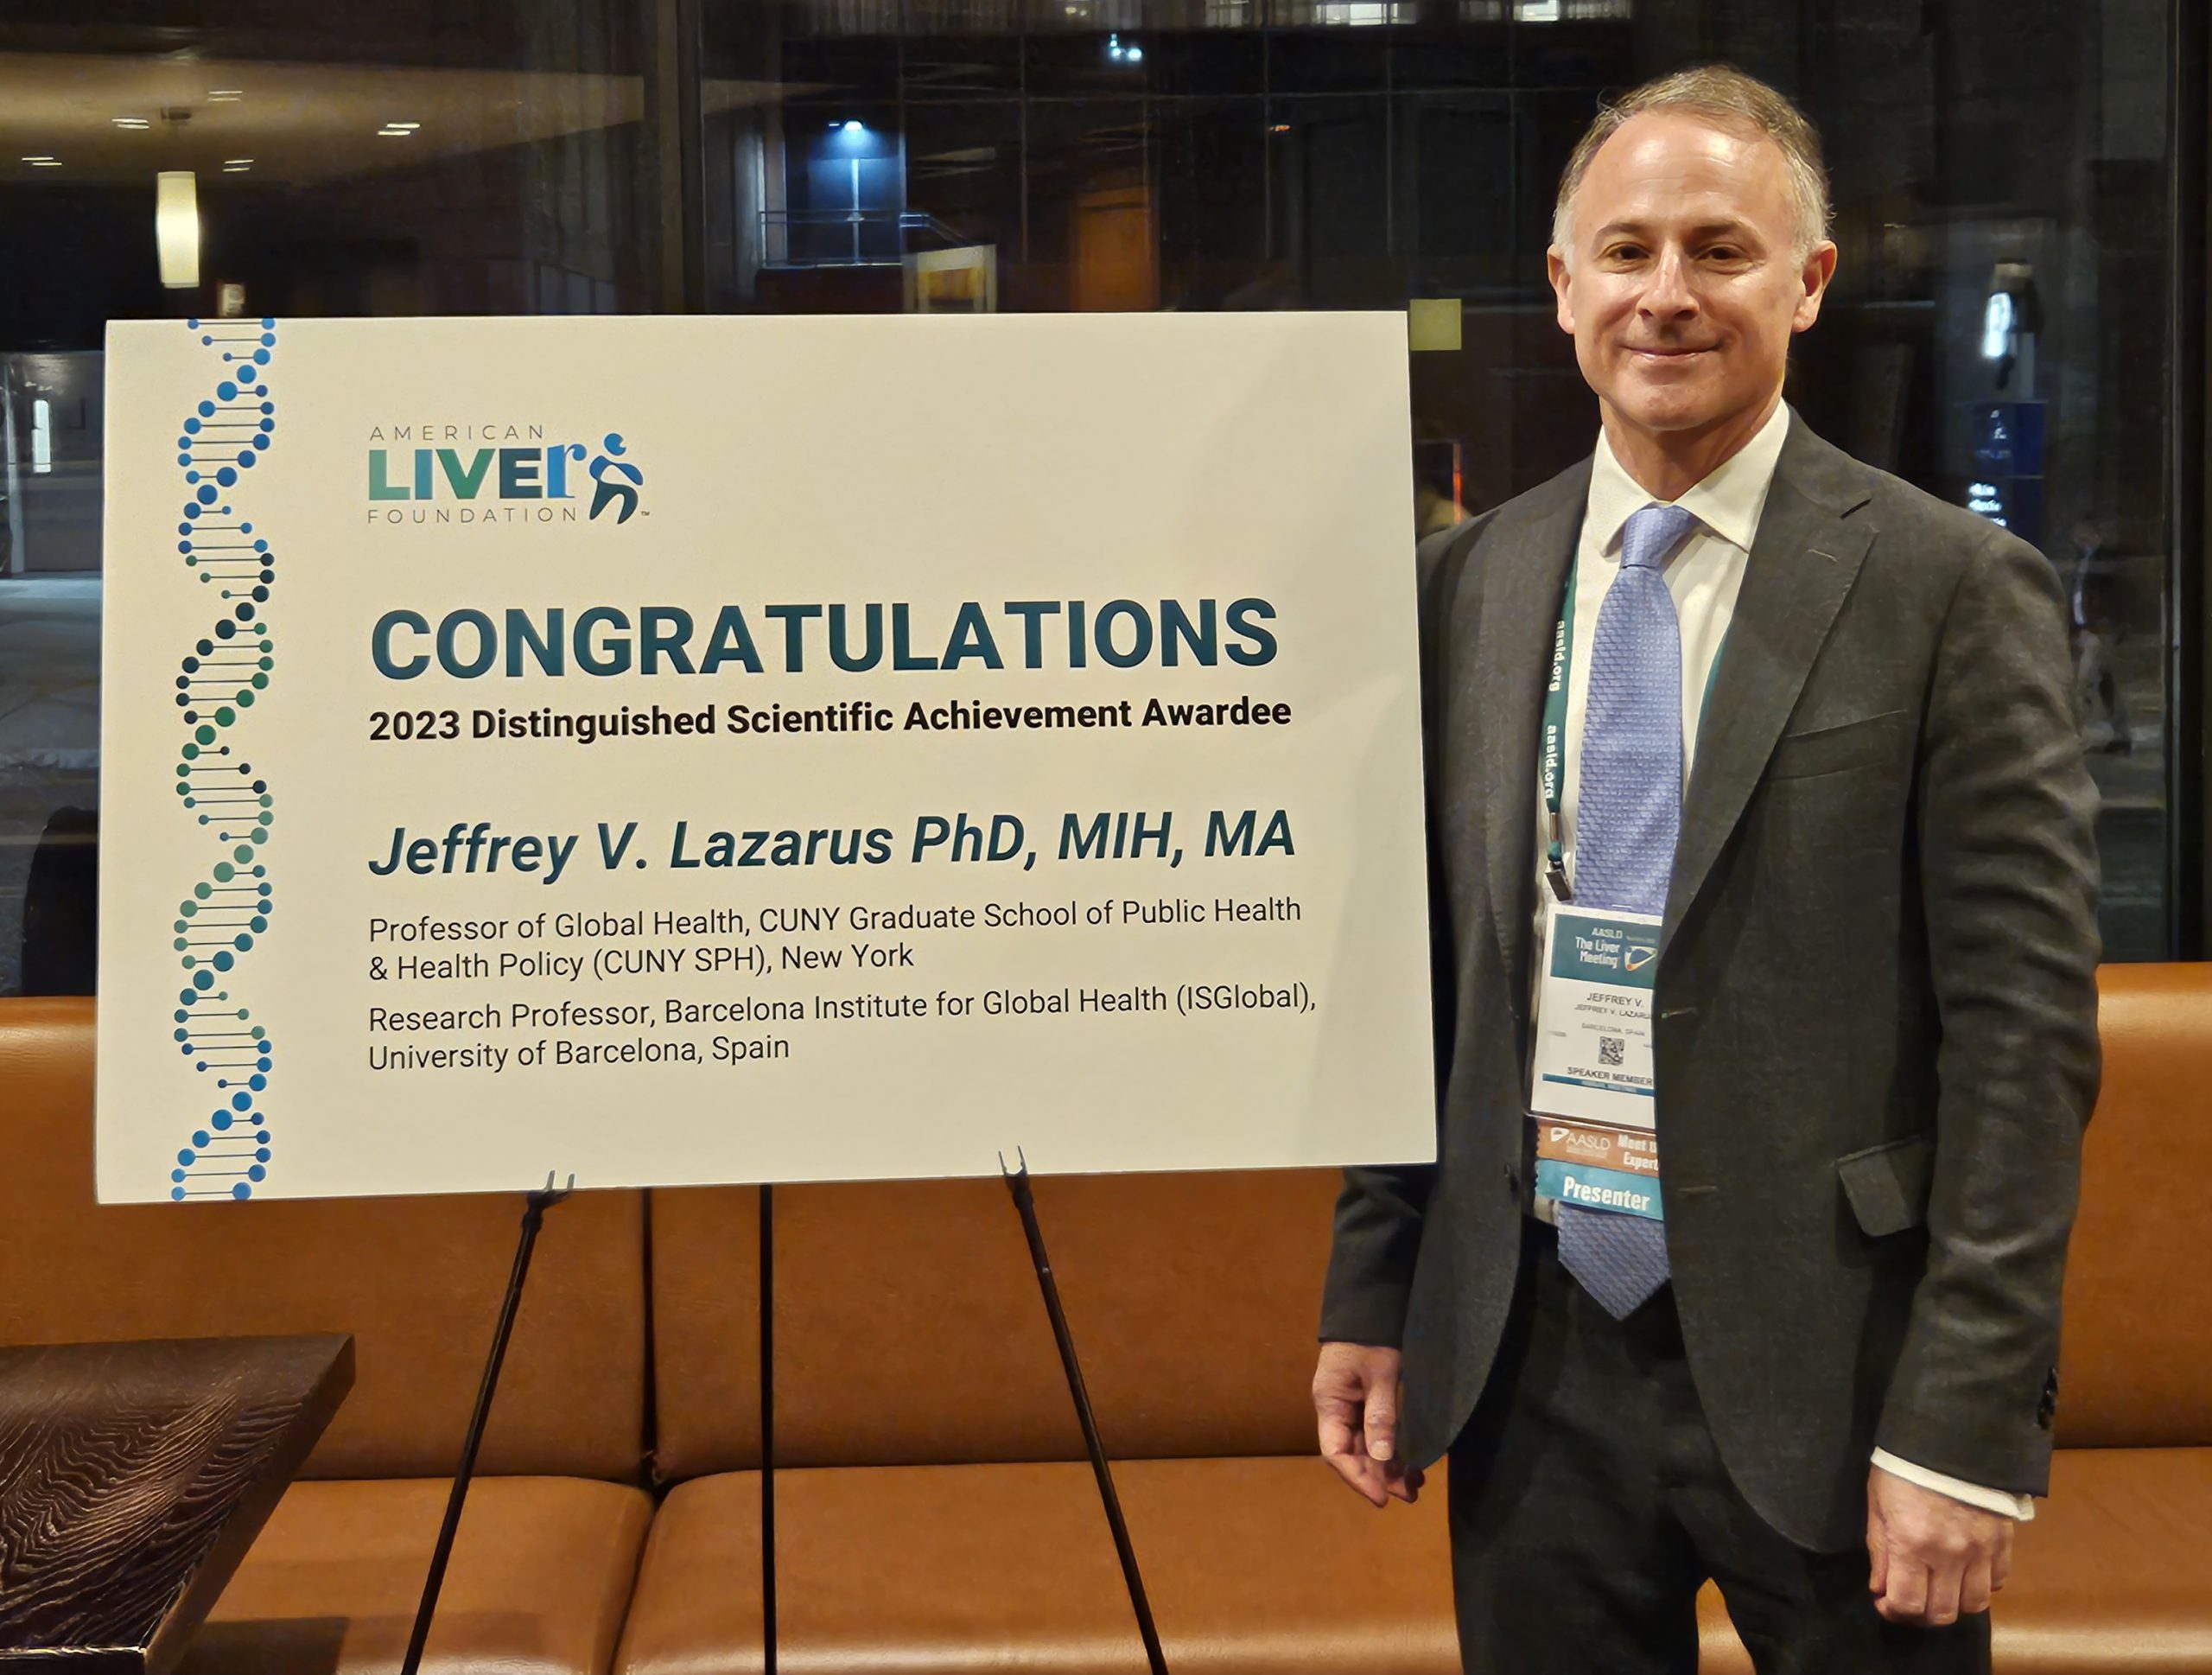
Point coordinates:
[(1936, 1560)]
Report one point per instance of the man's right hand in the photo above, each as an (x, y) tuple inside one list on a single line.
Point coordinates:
[(1355, 1392)]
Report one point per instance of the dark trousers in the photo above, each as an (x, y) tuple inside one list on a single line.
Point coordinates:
[(1588, 1505)]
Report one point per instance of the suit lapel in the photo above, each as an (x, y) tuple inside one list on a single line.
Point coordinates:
[(1803, 563), (1524, 582)]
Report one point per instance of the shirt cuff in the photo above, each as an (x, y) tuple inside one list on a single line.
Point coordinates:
[(2020, 1508)]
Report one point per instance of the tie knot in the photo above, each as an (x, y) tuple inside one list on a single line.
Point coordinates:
[(1652, 532)]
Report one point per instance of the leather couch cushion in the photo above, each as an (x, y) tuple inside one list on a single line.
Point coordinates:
[(541, 1575), (2136, 1367), (909, 1328), (1253, 1566), (2115, 1573), (417, 1280)]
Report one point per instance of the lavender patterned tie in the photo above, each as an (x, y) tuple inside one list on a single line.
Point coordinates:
[(1629, 813)]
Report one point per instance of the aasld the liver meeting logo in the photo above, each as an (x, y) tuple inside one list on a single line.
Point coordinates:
[(498, 474)]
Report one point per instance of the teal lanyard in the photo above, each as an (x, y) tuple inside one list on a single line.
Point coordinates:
[(1551, 765)]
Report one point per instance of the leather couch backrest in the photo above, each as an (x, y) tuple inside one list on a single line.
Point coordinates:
[(909, 1327), (2136, 1369), (417, 1280)]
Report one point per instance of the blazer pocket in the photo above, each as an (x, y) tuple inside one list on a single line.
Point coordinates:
[(1868, 741), (1888, 1184)]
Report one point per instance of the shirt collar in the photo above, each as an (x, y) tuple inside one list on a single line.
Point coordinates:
[(1727, 501)]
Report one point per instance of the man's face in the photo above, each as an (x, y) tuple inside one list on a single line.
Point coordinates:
[(1682, 289)]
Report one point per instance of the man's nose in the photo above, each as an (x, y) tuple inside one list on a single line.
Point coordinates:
[(1669, 295)]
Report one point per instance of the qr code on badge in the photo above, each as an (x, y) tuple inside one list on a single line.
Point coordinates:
[(1612, 1050)]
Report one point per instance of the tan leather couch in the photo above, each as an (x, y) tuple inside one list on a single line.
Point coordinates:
[(934, 1510)]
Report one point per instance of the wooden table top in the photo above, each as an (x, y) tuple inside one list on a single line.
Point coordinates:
[(133, 1478)]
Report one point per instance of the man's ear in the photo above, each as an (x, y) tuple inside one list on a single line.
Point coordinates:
[(1555, 266), (1819, 268)]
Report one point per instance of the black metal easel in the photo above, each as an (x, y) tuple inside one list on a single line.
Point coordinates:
[(768, 1427), (533, 1218), (1017, 1182)]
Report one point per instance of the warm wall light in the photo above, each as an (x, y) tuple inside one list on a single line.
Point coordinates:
[(43, 162), (133, 123), (176, 227)]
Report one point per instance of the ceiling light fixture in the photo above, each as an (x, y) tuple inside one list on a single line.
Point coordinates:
[(133, 123), (225, 95), (176, 227), (43, 162)]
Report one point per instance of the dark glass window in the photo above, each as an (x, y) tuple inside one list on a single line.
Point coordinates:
[(2002, 174)]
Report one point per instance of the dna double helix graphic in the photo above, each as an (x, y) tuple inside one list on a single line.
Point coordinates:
[(228, 1154)]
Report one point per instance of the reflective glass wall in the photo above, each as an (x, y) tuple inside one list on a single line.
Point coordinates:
[(2003, 174)]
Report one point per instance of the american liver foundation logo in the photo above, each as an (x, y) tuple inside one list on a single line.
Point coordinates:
[(497, 474)]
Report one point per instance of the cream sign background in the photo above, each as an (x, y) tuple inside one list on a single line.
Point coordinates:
[(1008, 736)]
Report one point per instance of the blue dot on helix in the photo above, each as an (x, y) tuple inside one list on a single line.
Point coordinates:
[(269, 337), (241, 1191), (187, 1158), (257, 1083), (177, 1174), (200, 1138), (203, 980), (177, 1194), (222, 1120), (226, 390), (258, 1173), (241, 1102), (206, 410), (227, 475), (261, 1135), (206, 493), (184, 459), (191, 427), (261, 1156), (261, 356)]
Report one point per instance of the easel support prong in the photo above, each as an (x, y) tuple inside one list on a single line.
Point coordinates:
[(535, 1204)]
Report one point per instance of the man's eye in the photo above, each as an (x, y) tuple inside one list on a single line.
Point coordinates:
[(1623, 252)]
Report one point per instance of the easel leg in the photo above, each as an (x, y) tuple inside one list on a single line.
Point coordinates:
[(533, 1218), (768, 1427), (1017, 1182)]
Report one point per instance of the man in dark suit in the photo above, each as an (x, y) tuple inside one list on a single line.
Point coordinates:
[(1812, 730)]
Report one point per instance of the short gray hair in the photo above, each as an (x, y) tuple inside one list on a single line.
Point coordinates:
[(1727, 99)]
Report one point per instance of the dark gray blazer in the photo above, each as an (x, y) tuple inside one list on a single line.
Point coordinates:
[(1876, 1003)]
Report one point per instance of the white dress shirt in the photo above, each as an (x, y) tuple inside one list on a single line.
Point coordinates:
[(1704, 575)]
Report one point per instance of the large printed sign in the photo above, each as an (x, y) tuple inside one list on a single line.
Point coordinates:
[(689, 751)]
